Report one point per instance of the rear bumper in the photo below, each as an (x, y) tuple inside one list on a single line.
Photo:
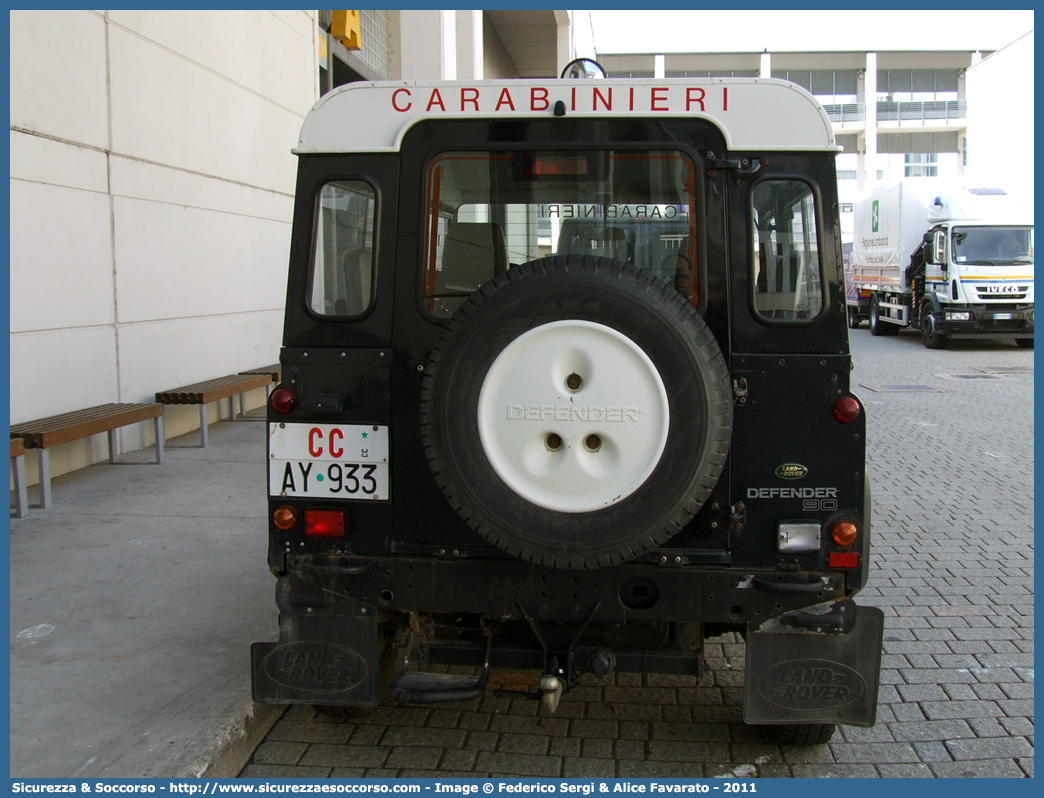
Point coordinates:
[(632, 592)]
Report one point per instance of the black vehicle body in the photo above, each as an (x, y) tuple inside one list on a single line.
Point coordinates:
[(412, 576)]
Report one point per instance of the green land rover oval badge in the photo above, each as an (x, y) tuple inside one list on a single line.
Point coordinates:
[(791, 471)]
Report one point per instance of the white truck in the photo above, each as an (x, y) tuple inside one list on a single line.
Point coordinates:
[(955, 262)]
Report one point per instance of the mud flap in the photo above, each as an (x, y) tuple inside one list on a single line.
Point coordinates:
[(327, 651), (817, 665)]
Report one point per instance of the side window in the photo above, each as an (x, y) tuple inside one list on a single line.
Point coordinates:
[(787, 282), (342, 266)]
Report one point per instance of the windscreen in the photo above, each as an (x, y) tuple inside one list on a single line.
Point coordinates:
[(490, 211), (993, 245)]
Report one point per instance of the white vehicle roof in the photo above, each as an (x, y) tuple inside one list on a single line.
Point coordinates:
[(752, 113)]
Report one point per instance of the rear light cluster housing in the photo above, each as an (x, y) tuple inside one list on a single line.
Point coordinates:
[(317, 523), (796, 537)]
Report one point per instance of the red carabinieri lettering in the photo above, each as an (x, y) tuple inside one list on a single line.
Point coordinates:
[(436, 99), (469, 96), (395, 100), (505, 99)]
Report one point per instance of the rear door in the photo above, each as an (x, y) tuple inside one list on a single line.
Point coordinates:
[(792, 459)]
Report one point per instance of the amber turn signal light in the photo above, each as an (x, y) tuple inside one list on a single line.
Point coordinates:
[(847, 409), (285, 517), (844, 533), (283, 400)]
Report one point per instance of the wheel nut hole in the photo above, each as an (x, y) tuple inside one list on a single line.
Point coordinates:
[(386, 596), (553, 442), (574, 381), (592, 443)]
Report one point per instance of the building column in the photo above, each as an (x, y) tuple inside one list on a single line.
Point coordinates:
[(423, 56), (867, 174), (469, 45), (765, 68), (659, 66), (860, 163)]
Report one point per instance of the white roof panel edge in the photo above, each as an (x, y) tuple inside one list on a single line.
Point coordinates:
[(374, 116)]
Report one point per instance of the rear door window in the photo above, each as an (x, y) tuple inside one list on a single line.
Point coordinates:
[(342, 263), (490, 211), (787, 277)]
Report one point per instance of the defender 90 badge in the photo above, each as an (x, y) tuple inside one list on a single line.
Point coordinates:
[(791, 471)]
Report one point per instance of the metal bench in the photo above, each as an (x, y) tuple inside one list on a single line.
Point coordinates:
[(21, 507), (46, 433), (203, 393)]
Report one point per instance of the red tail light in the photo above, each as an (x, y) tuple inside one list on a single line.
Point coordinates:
[(847, 409), (324, 523), (844, 559), (283, 400)]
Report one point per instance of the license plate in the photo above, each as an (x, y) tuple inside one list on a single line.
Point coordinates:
[(1002, 315), (328, 461)]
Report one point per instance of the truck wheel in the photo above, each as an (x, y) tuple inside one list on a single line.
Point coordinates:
[(799, 734), (853, 317), (930, 335), (576, 412), (1024, 343), (878, 327)]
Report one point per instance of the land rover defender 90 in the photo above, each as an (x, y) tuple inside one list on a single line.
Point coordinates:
[(565, 387)]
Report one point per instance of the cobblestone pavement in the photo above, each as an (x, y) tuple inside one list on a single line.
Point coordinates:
[(952, 477)]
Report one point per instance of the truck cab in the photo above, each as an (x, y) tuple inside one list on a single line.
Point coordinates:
[(979, 273), (566, 389), (950, 260)]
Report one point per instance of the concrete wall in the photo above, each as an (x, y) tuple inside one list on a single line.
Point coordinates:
[(1000, 118), (151, 195), (496, 62)]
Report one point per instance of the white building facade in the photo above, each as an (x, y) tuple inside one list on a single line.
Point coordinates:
[(152, 185), (896, 113), (1000, 132)]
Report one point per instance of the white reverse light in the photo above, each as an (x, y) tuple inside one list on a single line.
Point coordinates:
[(799, 536)]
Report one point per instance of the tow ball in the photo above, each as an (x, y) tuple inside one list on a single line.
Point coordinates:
[(550, 692)]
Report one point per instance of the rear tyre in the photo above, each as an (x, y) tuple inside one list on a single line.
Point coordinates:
[(853, 317), (930, 335), (799, 734), (1024, 343), (877, 326)]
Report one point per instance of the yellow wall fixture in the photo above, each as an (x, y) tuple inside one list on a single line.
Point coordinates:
[(345, 25)]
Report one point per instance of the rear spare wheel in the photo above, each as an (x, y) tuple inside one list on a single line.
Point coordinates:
[(576, 412)]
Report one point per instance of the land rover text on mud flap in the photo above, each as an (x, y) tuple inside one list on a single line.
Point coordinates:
[(566, 388)]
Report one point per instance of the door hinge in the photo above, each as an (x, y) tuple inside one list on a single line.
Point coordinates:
[(737, 517), (744, 168), (739, 390)]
